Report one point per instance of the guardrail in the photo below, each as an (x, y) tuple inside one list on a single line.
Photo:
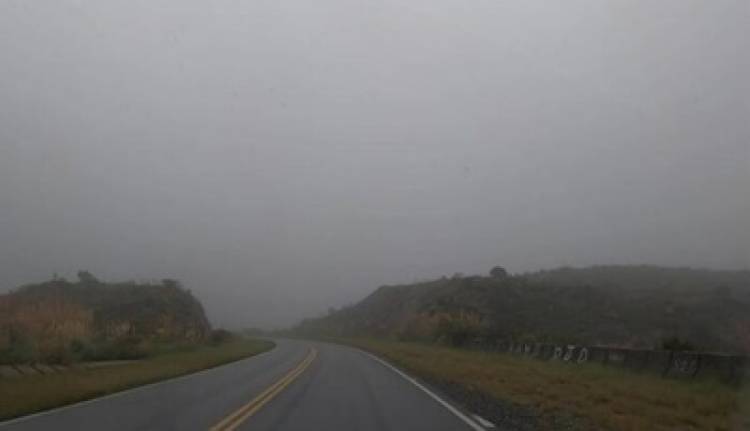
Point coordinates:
[(725, 367)]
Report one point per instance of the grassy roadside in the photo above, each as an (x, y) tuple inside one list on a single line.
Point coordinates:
[(32, 394), (602, 398)]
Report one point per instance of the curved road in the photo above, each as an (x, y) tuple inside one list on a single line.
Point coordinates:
[(298, 385)]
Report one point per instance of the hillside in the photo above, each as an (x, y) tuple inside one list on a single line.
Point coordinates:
[(633, 306), (59, 321)]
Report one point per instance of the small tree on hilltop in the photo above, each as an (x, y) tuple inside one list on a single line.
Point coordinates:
[(498, 272), (87, 278)]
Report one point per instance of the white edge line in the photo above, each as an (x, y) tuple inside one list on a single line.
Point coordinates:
[(434, 396), (123, 392), (484, 422)]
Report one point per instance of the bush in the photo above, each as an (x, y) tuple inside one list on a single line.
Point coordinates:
[(677, 344), (82, 349), (457, 330), (107, 350), (55, 351), (220, 336), (20, 349)]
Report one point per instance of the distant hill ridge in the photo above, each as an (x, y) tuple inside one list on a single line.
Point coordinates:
[(53, 320), (630, 306)]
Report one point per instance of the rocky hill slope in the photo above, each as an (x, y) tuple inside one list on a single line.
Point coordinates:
[(632, 306), (59, 320)]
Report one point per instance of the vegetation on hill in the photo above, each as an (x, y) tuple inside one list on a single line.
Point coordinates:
[(630, 306), (62, 321)]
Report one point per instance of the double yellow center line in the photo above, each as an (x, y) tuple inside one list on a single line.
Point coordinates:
[(234, 420)]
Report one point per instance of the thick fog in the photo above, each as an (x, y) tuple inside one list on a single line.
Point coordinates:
[(280, 157)]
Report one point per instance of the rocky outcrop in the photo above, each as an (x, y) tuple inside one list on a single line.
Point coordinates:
[(59, 319)]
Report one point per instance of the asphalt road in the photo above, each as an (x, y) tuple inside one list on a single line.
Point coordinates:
[(296, 386)]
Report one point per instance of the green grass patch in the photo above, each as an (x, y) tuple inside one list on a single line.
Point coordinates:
[(21, 396), (604, 398)]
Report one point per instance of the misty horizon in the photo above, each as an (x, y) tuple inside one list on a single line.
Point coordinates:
[(280, 158), (73, 277)]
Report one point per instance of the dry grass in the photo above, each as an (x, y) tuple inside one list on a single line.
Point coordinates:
[(26, 395), (603, 397)]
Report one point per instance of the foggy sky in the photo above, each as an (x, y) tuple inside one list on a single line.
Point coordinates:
[(280, 157)]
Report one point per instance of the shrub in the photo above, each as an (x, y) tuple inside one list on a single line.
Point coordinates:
[(120, 349), (458, 329), (220, 336), (54, 351), (20, 349), (677, 344)]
